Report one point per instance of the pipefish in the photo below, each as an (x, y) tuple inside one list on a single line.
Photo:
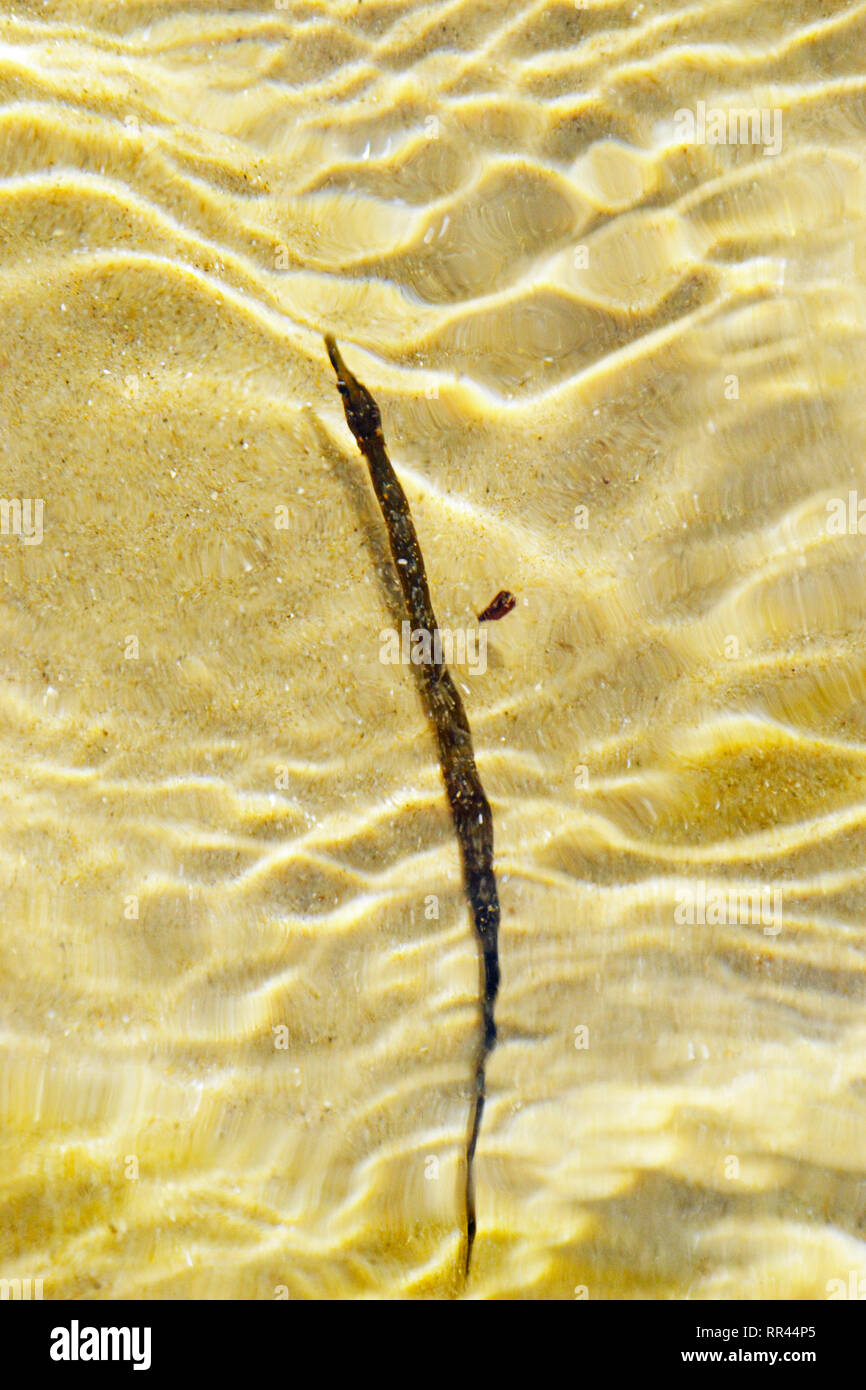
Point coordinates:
[(470, 809)]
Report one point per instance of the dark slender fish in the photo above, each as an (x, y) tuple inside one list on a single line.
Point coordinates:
[(498, 607), (470, 809)]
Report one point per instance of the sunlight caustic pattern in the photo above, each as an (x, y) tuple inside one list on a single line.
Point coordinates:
[(616, 331)]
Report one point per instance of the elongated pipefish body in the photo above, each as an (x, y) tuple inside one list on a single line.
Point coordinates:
[(470, 809)]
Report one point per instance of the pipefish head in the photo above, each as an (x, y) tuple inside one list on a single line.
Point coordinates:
[(362, 412)]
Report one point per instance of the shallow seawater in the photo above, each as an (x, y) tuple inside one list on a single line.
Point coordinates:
[(620, 372)]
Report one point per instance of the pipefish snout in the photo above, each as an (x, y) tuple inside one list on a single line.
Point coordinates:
[(470, 809), (362, 413)]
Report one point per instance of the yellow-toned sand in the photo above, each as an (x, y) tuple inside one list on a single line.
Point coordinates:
[(621, 375)]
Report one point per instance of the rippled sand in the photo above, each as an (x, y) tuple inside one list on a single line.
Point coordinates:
[(236, 1044)]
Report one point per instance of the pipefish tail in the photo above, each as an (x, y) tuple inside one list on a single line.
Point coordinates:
[(470, 809)]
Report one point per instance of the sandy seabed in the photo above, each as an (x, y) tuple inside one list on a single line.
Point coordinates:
[(621, 375)]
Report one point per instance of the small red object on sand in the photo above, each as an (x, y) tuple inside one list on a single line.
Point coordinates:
[(502, 604)]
